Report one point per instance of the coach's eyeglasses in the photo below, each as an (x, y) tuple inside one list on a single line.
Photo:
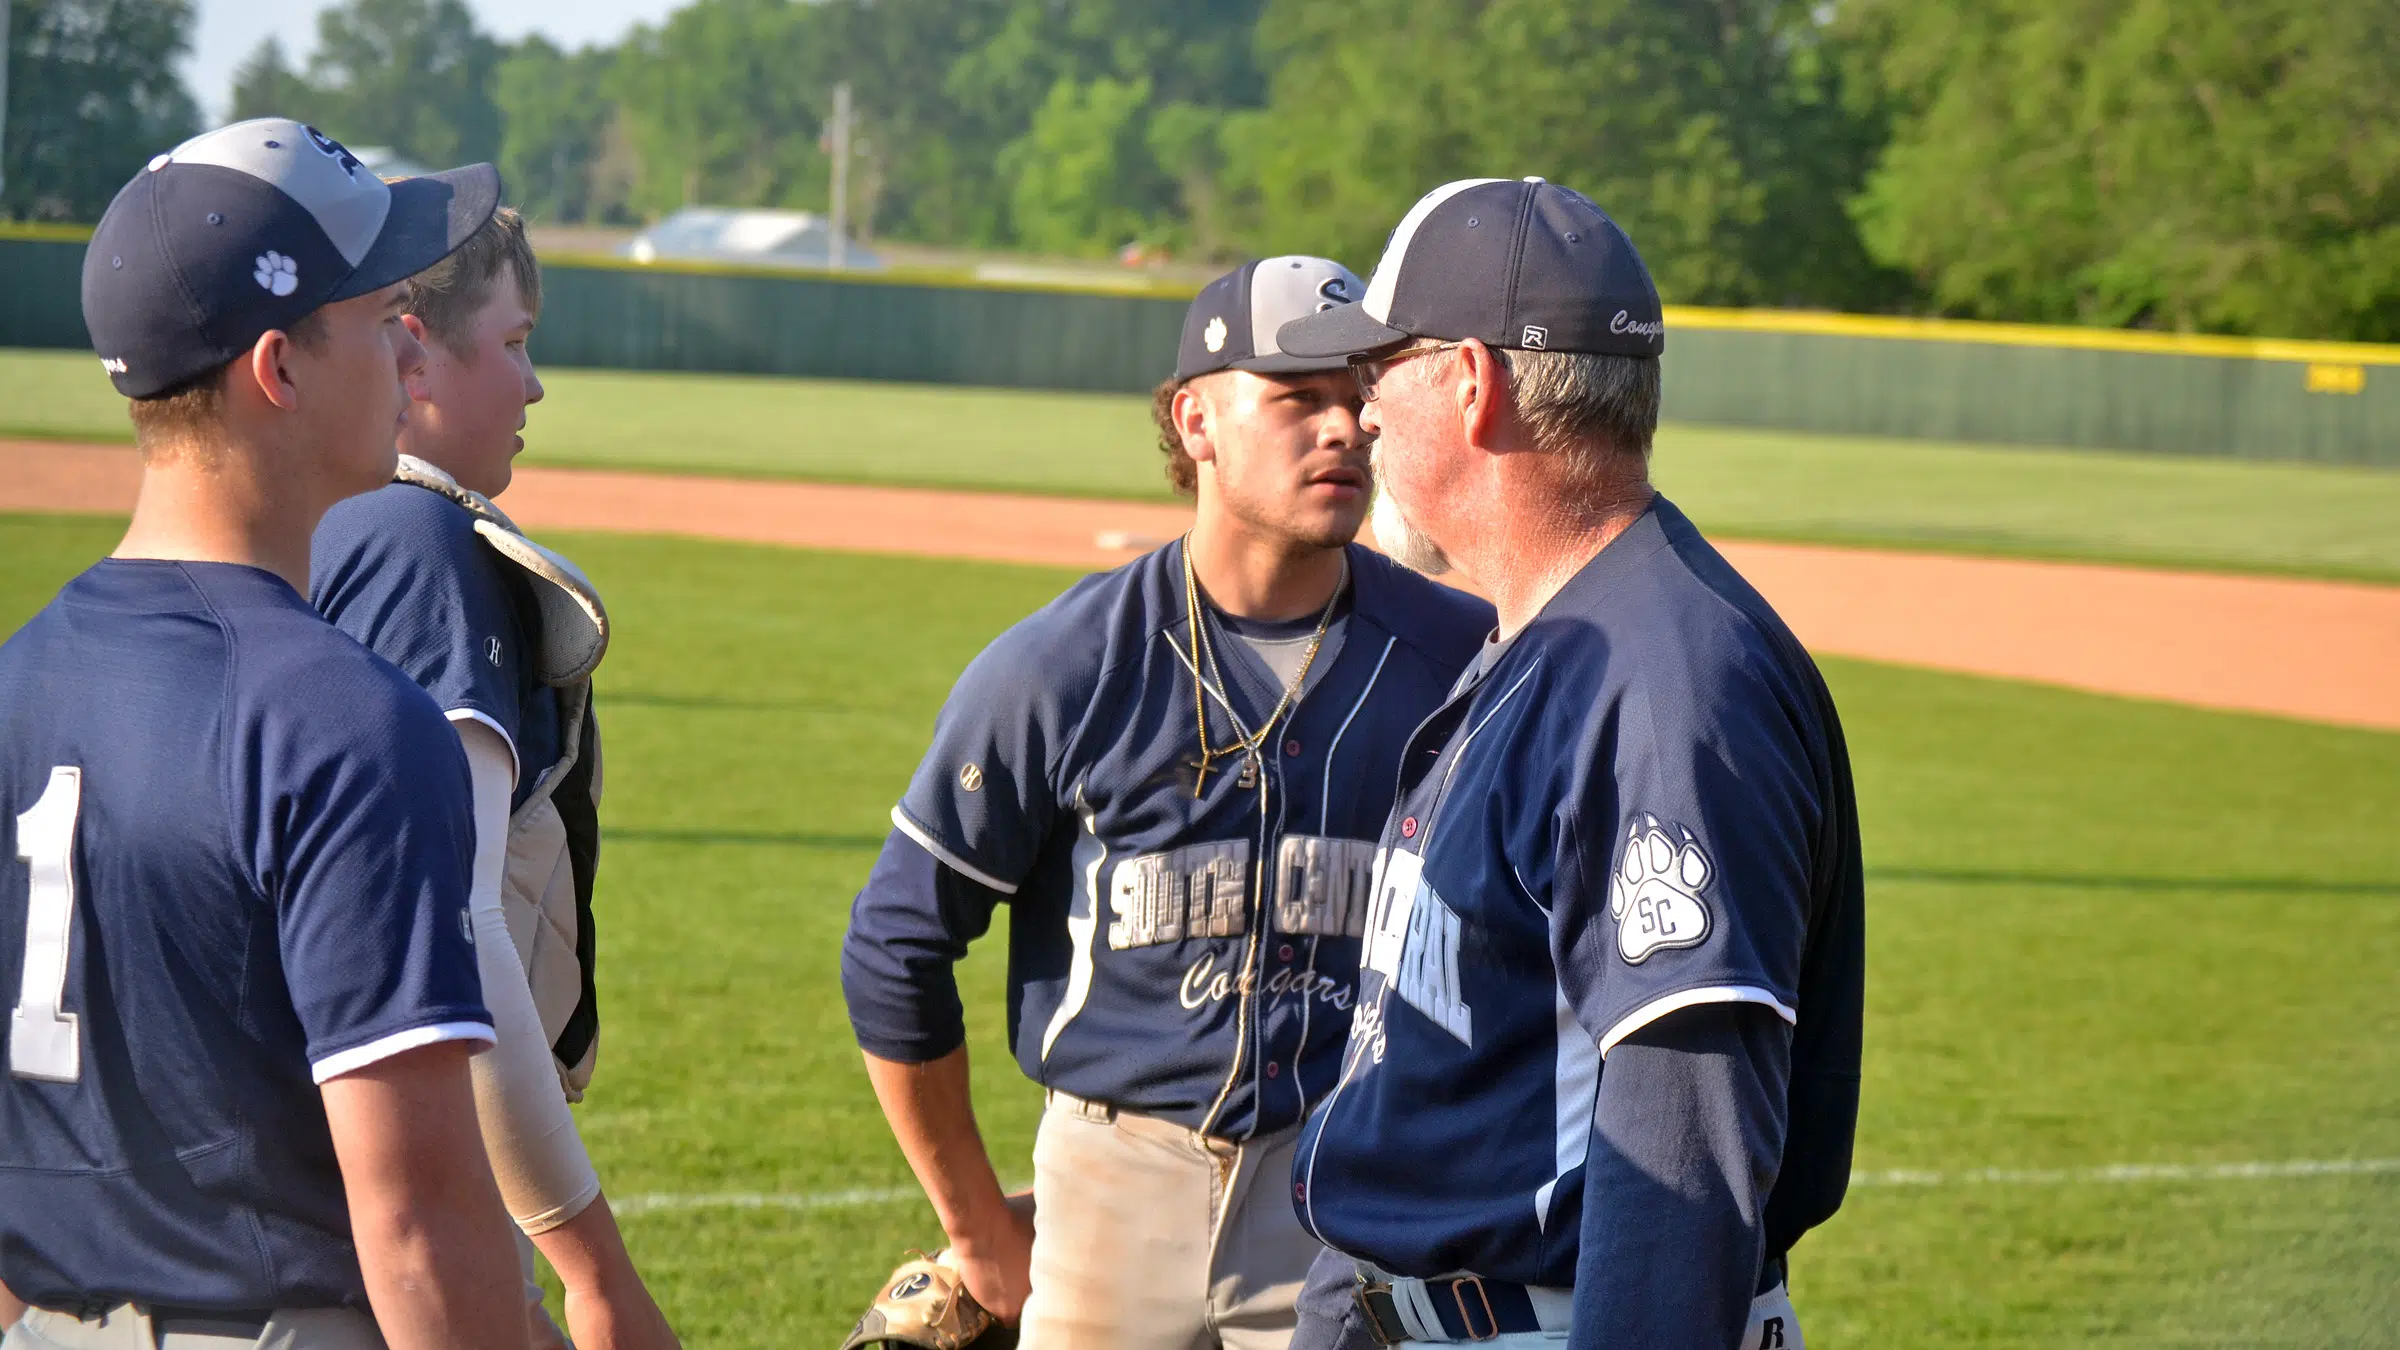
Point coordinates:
[(1370, 370)]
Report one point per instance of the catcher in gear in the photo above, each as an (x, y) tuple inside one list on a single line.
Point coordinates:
[(504, 633)]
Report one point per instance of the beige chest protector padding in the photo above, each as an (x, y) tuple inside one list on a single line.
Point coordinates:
[(545, 902), (545, 908), (574, 623)]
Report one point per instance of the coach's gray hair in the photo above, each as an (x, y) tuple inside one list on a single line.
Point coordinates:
[(1587, 407)]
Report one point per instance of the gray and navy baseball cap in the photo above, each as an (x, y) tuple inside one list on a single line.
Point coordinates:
[(1513, 263), (1233, 321), (253, 227)]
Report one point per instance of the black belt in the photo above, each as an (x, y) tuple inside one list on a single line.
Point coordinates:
[(1472, 1308), (166, 1320)]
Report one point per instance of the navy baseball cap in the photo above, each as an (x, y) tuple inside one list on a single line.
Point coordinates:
[(253, 227), (1233, 321), (1513, 263)]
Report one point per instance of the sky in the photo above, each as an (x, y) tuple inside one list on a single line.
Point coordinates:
[(230, 29)]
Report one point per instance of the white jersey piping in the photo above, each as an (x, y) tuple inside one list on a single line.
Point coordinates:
[(399, 1042), (1691, 998), (955, 863)]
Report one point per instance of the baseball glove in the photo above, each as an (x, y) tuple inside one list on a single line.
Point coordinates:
[(925, 1303)]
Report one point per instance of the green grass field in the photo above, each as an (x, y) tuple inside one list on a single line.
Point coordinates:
[(2185, 512), (2102, 932)]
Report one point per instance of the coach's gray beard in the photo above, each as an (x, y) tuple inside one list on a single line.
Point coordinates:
[(1401, 541)]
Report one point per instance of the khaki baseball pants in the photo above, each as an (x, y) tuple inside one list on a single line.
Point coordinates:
[(1149, 1236), (127, 1328)]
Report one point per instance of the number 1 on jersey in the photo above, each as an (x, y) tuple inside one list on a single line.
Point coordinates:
[(43, 1042)]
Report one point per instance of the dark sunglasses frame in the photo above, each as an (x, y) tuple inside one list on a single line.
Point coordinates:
[(1369, 371)]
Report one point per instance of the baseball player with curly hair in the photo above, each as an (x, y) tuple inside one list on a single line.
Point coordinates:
[(1170, 777), (1605, 1067), (235, 849), (505, 634)]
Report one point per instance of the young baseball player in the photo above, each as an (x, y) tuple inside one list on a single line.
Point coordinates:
[(1170, 776), (504, 634), (234, 845), (1605, 1068)]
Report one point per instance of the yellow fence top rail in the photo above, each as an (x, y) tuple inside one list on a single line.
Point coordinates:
[(2028, 335)]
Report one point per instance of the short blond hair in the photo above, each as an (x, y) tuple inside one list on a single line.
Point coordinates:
[(446, 296), (184, 417)]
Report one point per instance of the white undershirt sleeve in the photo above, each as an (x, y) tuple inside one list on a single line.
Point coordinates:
[(545, 1176)]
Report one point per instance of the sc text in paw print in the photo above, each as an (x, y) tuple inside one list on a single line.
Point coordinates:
[(1655, 893)]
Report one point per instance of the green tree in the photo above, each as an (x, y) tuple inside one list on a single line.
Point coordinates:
[(557, 120), (2231, 167), (1063, 79), (724, 103), (1344, 142), (1083, 177), (924, 165), (416, 75), (1719, 135), (1187, 142), (265, 85), (92, 95)]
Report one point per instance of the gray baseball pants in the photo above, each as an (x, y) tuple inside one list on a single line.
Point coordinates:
[(127, 1328), (1150, 1236)]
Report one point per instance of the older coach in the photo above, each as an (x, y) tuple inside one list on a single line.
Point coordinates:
[(1604, 1071)]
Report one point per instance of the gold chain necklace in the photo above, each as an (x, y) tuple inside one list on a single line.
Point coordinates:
[(1204, 658)]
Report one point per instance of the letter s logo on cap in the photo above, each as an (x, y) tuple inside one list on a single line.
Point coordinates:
[(333, 150), (1335, 290)]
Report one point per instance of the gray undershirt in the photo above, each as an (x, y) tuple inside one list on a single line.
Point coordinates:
[(1284, 655), (1281, 647)]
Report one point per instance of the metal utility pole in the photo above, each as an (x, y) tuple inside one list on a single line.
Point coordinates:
[(4, 96), (839, 246)]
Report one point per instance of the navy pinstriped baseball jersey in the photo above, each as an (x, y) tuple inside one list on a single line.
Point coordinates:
[(1061, 779), (234, 860), (1641, 804)]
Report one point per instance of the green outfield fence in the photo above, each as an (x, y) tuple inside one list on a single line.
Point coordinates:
[(1923, 378)]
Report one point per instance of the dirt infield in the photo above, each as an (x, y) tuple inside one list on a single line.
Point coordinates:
[(2322, 651)]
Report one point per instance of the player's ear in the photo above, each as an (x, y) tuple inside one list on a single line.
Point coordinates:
[(267, 367), (1194, 422), (414, 375), (1481, 395)]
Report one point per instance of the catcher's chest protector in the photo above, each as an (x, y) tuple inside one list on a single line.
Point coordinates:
[(546, 893), (554, 834)]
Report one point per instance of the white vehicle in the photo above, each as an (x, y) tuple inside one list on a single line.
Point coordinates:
[(722, 234)]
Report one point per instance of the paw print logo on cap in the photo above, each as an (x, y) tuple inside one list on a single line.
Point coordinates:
[(1214, 334), (276, 273)]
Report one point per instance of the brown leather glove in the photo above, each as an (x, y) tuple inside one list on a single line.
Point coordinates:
[(925, 1303)]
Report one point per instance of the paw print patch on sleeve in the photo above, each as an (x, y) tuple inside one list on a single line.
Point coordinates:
[(1654, 894)]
